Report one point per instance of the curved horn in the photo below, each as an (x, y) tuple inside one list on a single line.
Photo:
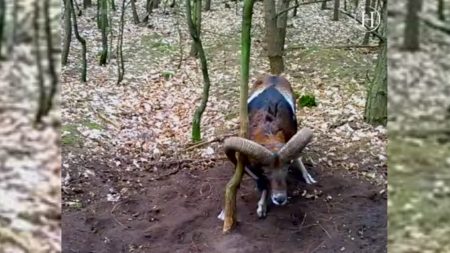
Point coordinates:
[(295, 145), (249, 148)]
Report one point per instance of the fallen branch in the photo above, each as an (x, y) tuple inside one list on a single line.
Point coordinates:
[(180, 161), (337, 47), (297, 5), (376, 34), (217, 139), (436, 24)]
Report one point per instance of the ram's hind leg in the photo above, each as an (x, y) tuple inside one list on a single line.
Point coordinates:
[(299, 165)]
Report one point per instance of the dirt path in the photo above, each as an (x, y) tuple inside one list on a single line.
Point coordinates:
[(178, 213)]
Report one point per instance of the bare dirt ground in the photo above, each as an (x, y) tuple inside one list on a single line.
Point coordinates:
[(177, 213), (130, 185)]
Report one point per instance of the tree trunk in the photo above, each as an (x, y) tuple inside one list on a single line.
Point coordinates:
[(367, 12), (294, 14), (2, 24), (82, 41), (13, 39), (233, 184), (113, 5), (195, 35), (324, 5), (120, 65), (67, 33), (207, 5), (376, 104), (37, 46), (50, 59), (134, 11), (104, 24), (412, 28), (87, 3), (336, 10), (275, 33), (441, 10), (197, 19)]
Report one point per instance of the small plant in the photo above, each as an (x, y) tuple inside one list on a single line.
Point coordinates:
[(168, 75), (307, 101)]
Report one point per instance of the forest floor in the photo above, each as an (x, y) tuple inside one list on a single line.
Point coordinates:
[(30, 162), (419, 139), (132, 184)]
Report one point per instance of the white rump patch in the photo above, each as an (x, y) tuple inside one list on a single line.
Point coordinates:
[(288, 96), (254, 95)]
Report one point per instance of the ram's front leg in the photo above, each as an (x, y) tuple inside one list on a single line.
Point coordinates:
[(262, 183), (299, 165), (261, 210)]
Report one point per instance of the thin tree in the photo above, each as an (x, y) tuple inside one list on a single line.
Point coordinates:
[(113, 5), (81, 40), (134, 12), (376, 104), (233, 184), (197, 19), (336, 10), (2, 24), (412, 28), (13, 39), (367, 12), (120, 63), (207, 5), (195, 35), (441, 10), (50, 59), (87, 3), (275, 24), (67, 33), (37, 47), (324, 5), (104, 25)]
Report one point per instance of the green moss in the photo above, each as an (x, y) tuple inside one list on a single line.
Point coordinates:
[(168, 74), (93, 125), (307, 101), (70, 135)]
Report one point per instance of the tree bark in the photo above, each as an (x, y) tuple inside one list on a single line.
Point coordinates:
[(195, 35), (367, 12), (87, 3), (376, 104), (375, 112), (441, 10), (120, 65), (2, 24), (197, 19), (104, 25), (50, 59), (82, 41), (233, 184), (275, 33), (37, 46), (134, 11), (67, 33), (412, 28), (336, 10), (13, 39), (324, 5), (207, 5)]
